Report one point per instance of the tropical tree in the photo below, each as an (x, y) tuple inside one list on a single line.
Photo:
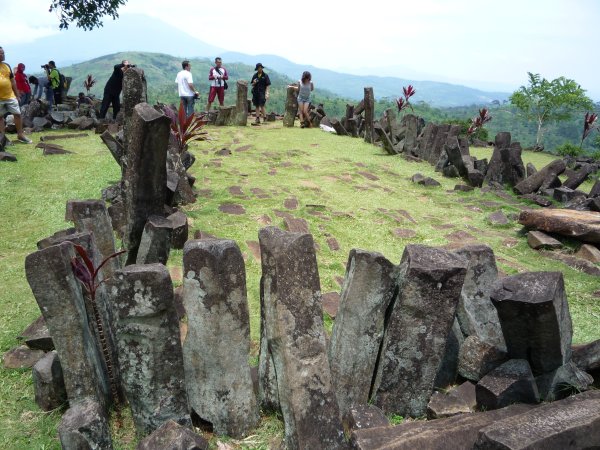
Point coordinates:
[(546, 101), (86, 14)]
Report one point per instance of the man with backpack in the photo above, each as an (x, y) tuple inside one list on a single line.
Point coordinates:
[(218, 77), (56, 82)]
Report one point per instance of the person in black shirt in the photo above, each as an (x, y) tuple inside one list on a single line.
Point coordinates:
[(260, 91), (112, 90)]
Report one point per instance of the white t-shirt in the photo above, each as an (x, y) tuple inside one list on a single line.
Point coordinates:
[(183, 79)]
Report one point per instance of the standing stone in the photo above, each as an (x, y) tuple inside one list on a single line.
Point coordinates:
[(291, 107), (475, 312), (225, 115), (48, 383), (512, 382), (358, 329), (293, 339), (429, 283), (145, 174), (241, 108), (448, 369), (155, 243), (134, 92), (506, 165), (535, 319), (92, 216), (216, 349), (179, 223), (369, 103), (150, 355), (85, 426), (60, 298)]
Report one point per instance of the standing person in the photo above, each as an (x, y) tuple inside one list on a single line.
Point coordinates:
[(304, 86), (186, 89), (260, 91), (54, 77), (218, 77), (22, 85), (8, 99), (113, 88)]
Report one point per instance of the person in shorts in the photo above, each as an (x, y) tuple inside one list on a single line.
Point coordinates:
[(185, 88), (8, 99), (218, 77), (260, 91), (304, 86)]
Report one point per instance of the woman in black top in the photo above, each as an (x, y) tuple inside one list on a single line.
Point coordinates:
[(260, 91)]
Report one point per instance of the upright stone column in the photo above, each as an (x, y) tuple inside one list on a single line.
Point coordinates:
[(92, 216), (216, 348), (134, 92), (358, 329), (291, 107), (150, 355), (429, 282), (534, 315), (292, 319), (369, 100), (241, 108), (145, 174), (60, 298), (155, 244)]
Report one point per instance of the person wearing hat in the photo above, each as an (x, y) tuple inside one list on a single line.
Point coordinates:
[(260, 91)]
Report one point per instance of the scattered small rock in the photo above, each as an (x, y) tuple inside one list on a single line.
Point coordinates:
[(21, 357), (331, 303), (232, 208), (498, 218), (538, 240)]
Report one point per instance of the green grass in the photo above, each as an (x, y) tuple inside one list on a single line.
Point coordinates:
[(36, 188)]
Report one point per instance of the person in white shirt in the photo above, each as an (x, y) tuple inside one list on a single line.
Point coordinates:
[(218, 77), (186, 89)]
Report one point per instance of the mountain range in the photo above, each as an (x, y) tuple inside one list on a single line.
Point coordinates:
[(148, 34)]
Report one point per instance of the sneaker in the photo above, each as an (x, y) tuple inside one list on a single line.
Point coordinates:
[(24, 140)]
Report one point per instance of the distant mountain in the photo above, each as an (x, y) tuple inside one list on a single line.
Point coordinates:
[(131, 32), (351, 86), (141, 33)]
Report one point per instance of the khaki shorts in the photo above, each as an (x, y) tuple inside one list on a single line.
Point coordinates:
[(10, 106)]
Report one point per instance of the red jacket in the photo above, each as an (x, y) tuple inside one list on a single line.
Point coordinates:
[(21, 79)]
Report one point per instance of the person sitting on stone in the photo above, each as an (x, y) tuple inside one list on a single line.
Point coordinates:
[(83, 100), (8, 99)]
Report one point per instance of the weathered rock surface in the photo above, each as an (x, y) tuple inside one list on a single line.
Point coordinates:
[(589, 252), (535, 319), (537, 240), (448, 369), (149, 349), (587, 356), (358, 330), (21, 357), (582, 225), (293, 363), (85, 426), (512, 382), (359, 417), (535, 181), (477, 358), (179, 224), (475, 312), (506, 166), (172, 436), (429, 282), (570, 423), (48, 383), (460, 400), (566, 380), (217, 346), (37, 336), (155, 243)]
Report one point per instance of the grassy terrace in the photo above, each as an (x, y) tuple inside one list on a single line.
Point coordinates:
[(345, 189)]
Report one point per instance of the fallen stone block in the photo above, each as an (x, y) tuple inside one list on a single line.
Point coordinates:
[(85, 426), (21, 357), (566, 380), (564, 194), (570, 423), (173, 436), (7, 157), (582, 225), (587, 356), (359, 417), (589, 252), (37, 336), (477, 358), (537, 240), (512, 382), (460, 400), (48, 383)]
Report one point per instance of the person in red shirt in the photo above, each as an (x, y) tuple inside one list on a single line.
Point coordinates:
[(218, 77), (22, 85)]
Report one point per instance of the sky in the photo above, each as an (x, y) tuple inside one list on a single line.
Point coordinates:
[(484, 44)]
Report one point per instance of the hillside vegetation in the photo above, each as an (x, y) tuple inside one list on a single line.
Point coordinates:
[(346, 190)]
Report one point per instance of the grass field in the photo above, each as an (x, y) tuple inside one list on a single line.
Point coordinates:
[(345, 190)]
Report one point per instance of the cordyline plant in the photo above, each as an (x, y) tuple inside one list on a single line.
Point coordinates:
[(479, 121), (185, 129), (89, 82), (588, 125), (403, 102), (87, 274)]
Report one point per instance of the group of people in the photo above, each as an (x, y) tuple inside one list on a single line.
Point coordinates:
[(32, 87), (218, 76)]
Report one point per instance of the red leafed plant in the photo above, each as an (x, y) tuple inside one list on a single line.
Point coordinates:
[(479, 121), (588, 125), (87, 274), (185, 129), (403, 102), (89, 82)]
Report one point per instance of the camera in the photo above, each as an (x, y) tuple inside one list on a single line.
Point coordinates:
[(45, 66), (131, 66)]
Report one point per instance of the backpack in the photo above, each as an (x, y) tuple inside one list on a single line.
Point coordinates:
[(62, 81)]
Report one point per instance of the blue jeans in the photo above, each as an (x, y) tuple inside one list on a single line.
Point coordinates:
[(188, 105), (25, 99)]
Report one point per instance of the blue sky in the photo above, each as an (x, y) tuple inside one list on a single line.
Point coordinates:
[(481, 43)]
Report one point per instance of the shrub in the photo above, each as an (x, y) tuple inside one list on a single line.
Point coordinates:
[(568, 149)]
